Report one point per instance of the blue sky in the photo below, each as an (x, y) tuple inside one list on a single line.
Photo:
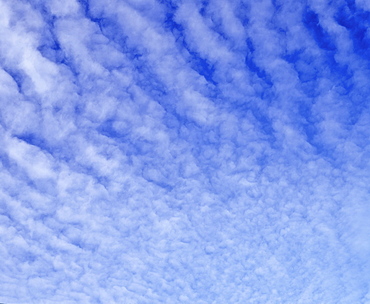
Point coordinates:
[(188, 151)]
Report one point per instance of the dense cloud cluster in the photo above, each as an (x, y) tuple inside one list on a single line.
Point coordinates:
[(158, 151)]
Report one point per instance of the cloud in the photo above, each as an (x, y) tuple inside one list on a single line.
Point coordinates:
[(184, 152)]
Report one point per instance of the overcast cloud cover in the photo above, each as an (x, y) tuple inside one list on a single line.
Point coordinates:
[(159, 151)]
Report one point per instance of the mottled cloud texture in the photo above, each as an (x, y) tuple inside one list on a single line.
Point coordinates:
[(188, 151)]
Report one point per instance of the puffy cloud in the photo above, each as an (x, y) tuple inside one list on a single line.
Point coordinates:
[(184, 152)]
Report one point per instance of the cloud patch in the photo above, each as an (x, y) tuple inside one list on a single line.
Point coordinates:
[(170, 152)]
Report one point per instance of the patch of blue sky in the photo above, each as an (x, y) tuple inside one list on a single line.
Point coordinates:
[(184, 152), (356, 21), (323, 40)]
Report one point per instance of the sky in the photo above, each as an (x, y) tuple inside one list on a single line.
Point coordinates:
[(158, 151)]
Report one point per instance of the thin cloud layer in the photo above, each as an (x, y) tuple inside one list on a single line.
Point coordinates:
[(184, 152)]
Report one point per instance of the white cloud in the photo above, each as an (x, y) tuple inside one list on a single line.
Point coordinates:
[(183, 152)]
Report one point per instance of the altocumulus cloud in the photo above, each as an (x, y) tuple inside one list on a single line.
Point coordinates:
[(184, 151)]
